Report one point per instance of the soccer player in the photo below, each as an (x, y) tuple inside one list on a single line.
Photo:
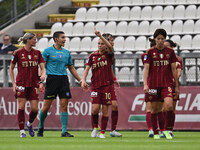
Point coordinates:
[(27, 82), (102, 83), (159, 66), (179, 68), (114, 104), (57, 59), (148, 105)]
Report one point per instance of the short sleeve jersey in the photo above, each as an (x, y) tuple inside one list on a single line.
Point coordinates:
[(57, 60), (160, 67), (101, 69), (27, 66)]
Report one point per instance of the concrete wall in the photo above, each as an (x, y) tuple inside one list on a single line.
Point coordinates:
[(40, 14)]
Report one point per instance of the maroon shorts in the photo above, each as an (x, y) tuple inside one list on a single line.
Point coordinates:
[(103, 95), (29, 93), (158, 94)]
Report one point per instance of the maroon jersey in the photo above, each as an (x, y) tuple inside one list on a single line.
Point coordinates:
[(160, 67), (101, 69), (27, 66)]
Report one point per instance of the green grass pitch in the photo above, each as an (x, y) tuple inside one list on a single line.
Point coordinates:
[(131, 140)]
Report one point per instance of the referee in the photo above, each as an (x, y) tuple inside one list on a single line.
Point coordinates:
[(57, 59)]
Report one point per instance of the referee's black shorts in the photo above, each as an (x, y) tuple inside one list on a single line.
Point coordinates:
[(57, 85)]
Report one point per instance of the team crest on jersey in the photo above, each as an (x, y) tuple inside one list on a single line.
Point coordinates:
[(103, 56), (93, 58), (23, 56), (154, 55), (167, 55), (161, 56), (150, 97), (35, 56), (29, 56), (60, 56), (18, 93)]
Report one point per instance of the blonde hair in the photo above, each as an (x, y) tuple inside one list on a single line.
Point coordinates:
[(23, 40)]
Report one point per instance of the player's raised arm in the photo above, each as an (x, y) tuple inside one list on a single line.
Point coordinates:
[(106, 42)]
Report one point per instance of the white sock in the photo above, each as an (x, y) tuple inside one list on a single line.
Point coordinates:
[(22, 131), (28, 124)]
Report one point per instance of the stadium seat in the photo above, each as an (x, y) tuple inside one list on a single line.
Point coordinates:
[(56, 27), (124, 13), (94, 45), (104, 2), (126, 2), (137, 2), (102, 13), (121, 28), (167, 25), (42, 44), (179, 12), (198, 12), (110, 27), (85, 44), (197, 27), (51, 42), (157, 2), (114, 2), (177, 26), (91, 14), (190, 11), (186, 42), (192, 1), (141, 72), (124, 74), (81, 14), (113, 13), (176, 39), (127, 62), (143, 27), (67, 44), (135, 13), (100, 26), (68, 28), (153, 26), (196, 42), (78, 28), (157, 12), (129, 43), (188, 26), (180, 1), (132, 28), (88, 29), (146, 2), (74, 44), (119, 43), (169, 1), (140, 43), (146, 12), (168, 12)]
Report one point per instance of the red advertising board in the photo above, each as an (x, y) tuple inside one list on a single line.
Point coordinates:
[(131, 110)]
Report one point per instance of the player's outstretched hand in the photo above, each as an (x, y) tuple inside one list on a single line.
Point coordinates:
[(116, 83), (146, 89), (97, 32), (84, 85)]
